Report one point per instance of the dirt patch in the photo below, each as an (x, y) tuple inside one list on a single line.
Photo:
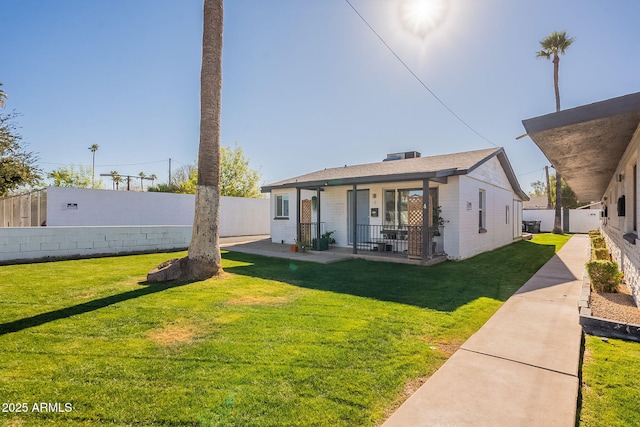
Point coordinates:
[(173, 334), (446, 347), (260, 300), (619, 306), (409, 388)]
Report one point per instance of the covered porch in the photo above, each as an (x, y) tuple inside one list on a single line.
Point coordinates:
[(393, 219)]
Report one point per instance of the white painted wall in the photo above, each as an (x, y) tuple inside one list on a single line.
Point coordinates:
[(28, 243), (580, 220), (88, 207)]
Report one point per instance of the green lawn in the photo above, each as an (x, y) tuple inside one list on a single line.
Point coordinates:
[(273, 342), (610, 383)]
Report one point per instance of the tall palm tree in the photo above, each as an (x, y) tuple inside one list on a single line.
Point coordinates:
[(93, 148), (203, 259), (153, 178), (552, 46)]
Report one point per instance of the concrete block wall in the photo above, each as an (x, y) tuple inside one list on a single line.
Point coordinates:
[(35, 243), (628, 258)]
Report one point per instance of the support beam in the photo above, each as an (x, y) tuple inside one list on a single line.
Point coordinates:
[(426, 221), (298, 208), (354, 215), (318, 229)]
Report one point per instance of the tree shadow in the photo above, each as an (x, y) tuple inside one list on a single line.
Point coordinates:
[(87, 307), (444, 287)]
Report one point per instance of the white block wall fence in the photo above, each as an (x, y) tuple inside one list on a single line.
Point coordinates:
[(83, 223), (30, 243), (580, 220)]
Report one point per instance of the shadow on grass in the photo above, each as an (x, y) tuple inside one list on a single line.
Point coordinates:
[(87, 307), (443, 287)]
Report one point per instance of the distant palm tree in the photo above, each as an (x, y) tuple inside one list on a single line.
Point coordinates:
[(93, 148), (556, 43), (153, 178), (142, 177), (117, 179), (3, 96)]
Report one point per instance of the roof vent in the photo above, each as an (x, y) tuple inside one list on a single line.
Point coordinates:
[(400, 156)]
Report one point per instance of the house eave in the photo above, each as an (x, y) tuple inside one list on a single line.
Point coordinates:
[(439, 177), (575, 141)]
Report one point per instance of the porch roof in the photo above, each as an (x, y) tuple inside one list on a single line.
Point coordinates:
[(585, 144), (434, 168)]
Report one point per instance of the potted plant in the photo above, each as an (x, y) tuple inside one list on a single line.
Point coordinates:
[(437, 226), (325, 240)]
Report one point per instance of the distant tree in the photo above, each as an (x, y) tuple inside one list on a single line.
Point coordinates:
[(538, 188), (93, 148), (116, 179), (3, 97), (142, 176), (72, 177), (569, 198), (556, 43), (237, 178), (17, 166)]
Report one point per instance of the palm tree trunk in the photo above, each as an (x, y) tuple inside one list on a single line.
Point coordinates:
[(557, 222), (204, 258), (556, 66)]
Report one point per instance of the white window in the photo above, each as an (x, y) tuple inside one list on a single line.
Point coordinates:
[(282, 206), (482, 214)]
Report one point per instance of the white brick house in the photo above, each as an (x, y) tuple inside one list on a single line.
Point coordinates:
[(475, 193), (596, 148)]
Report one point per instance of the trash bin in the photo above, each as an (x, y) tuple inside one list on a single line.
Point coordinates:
[(533, 227)]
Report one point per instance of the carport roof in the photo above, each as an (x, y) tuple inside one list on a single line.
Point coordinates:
[(585, 144)]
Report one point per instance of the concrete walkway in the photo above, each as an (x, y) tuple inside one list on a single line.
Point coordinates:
[(521, 368)]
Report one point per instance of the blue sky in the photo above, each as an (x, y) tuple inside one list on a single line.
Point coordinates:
[(306, 84)]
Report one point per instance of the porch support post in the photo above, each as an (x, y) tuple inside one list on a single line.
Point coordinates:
[(354, 218), (318, 229), (298, 205), (426, 212)]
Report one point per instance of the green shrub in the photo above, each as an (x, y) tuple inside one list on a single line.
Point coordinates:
[(604, 275), (594, 233), (598, 242), (601, 253)]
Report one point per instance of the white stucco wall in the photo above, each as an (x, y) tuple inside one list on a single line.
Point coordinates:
[(87, 207), (501, 211), (580, 220)]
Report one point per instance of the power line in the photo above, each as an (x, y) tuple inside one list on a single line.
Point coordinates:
[(423, 84)]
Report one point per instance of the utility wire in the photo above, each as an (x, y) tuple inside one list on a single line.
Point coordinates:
[(423, 84)]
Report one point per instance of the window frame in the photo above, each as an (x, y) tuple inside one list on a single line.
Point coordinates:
[(282, 206), (482, 211)]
